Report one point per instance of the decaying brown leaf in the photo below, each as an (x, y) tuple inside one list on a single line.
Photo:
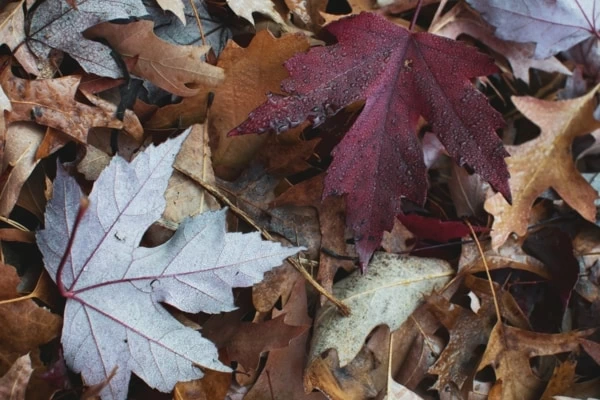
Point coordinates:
[(52, 103), (545, 162), (509, 351), (281, 377), (14, 383), (24, 326)]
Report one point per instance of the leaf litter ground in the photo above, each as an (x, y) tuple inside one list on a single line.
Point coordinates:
[(372, 101)]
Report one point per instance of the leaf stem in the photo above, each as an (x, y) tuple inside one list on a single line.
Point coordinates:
[(414, 18), (83, 206)]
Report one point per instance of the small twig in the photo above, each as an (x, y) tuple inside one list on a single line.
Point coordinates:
[(199, 22), (215, 192), (487, 270), (414, 19)]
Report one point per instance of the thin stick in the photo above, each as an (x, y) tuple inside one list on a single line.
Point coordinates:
[(199, 22), (487, 271), (414, 19)]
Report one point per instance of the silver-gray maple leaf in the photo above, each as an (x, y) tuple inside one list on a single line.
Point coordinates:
[(57, 25), (113, 316), (553, 25)]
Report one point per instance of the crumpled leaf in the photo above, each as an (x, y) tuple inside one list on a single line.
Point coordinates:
[(509, 351), (175, 69), (57, 25), (22, 140), (113, 287), (545, 162), (14, 383), (390, 292), (553, 25), (51, 102), (462, 20), (402, 75), (24, 326)]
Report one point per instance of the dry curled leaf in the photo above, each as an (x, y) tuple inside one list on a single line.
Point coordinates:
[(545, 162)]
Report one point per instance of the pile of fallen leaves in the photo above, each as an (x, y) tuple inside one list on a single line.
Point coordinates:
[(299, 199)]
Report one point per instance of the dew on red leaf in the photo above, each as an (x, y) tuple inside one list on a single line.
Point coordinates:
[(380, 161)]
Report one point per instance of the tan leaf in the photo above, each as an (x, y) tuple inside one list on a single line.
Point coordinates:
[(175, 6), (177, 69), (14, 383), (252, 72), (562, 379), (245, 8), (213, 385), (509, 352), (22, 141), (12, 24), (545, 162), (193, 163)]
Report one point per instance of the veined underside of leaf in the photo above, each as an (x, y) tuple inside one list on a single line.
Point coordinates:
[(113, 317), (553, 25), (57, 24), (402, 75)]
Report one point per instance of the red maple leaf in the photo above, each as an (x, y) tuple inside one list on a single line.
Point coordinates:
[(401, 75)]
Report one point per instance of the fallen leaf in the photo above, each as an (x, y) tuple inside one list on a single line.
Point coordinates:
[(562, 380), (334, 250), (14, 383), (545, 162), (176, 69), (24, 326), (57, 25), (184, 196), (51, 102), (368, 63), (213, 31), (429, 228), (462, 20), (175, 6), (251, 73), (12, 24), (281, 377), (213, 385), (393, 289), (253, 339), (553, 25), (509, 352), (245, 8), (113, 286), (22, 141)]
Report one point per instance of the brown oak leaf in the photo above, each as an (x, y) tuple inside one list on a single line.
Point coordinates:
[(509, 352), (545, 162)]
